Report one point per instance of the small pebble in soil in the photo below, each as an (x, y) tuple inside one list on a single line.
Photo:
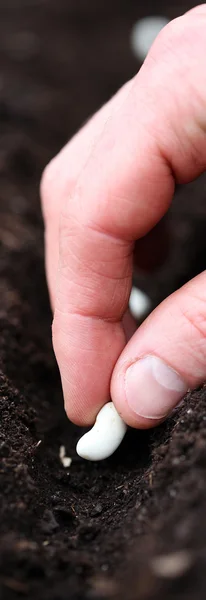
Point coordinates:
[(104, 568), (97, 510), (139, 304), (172, 493), (104, 437), (48, 524), (144, 33)]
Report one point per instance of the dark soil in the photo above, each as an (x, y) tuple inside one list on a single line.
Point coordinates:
[(94, 530)]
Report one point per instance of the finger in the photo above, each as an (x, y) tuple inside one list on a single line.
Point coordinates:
[(60, 176), (156, 137), (164, 358), (200, 9)]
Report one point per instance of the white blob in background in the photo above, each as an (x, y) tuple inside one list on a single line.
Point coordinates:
[(144, 33), (139, 303)]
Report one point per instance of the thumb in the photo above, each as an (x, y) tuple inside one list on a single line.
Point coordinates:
[(165, 357)]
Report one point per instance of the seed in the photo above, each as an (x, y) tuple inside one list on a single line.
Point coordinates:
[(105, 436)]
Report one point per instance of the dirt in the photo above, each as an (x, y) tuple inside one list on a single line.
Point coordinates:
[(132, 527)]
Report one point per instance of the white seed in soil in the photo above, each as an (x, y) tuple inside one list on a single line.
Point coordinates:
[(139, 303), (65, 460), (144, 33), (105, 436)]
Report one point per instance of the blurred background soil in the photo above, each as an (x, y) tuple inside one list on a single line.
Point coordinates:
[(132, 527)]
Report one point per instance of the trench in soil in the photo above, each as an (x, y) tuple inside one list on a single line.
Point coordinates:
[(93, 530)]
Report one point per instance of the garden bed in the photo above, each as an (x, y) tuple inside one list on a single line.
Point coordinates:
[(132, 527)]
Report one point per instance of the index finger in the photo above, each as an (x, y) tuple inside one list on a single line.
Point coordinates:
[(156, 137)]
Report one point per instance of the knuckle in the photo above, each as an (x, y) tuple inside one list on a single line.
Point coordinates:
[(183, 38), (46, 186), (47, 178), (57, 181)]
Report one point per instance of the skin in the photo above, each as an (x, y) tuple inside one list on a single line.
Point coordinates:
[(109, 186)]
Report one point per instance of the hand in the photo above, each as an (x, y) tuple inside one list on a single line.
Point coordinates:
[(106, 189)]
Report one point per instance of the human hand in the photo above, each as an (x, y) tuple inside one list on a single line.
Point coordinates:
[(106, 189)]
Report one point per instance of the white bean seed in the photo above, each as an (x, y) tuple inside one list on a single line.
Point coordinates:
[(105, 436)]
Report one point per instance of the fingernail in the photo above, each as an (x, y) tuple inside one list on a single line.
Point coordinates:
[(152, 388)]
